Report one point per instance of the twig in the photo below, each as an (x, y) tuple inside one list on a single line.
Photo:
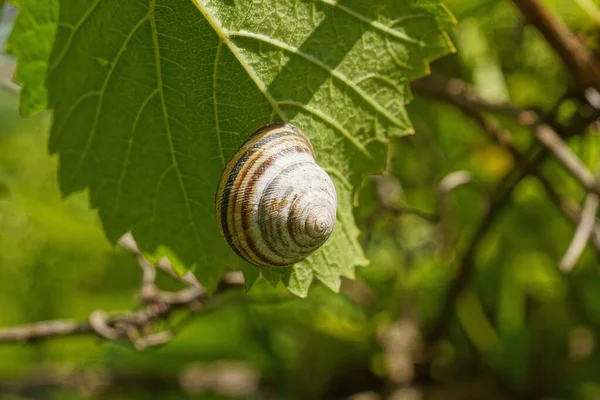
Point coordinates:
[(568, 209), (107, 327), (450, 182), (582, 234), (128, 243), (567, 158), (98, 320), (446, 235), (453, 181), (132, 326), (578, 59), (467, 264), (42, 330), (388, 189), (7, 70), (466, 100)]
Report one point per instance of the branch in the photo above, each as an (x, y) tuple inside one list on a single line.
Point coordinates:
[(467, 263), (7, 71), (466, 100), (585, 229), (114, 327), (128, 243), (41, 330), (463, 96), (135, 327), (568, 209), (578, 59), (567, 158)]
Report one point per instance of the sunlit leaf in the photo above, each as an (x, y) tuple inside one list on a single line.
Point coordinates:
[(149, 106)]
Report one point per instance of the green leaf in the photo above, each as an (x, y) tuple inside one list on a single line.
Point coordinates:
[(272, 275), (31, 42), (298, 279), (152, 98)]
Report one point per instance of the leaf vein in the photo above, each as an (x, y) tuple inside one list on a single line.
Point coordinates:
[(74, 31), (215, 102), (129, 147), (168, 127), (102, 91), (331, 122), (222, 33), (57, 133), (374, 24), (315, 61)]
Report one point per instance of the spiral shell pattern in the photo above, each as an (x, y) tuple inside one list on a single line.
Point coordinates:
[(275, 205)]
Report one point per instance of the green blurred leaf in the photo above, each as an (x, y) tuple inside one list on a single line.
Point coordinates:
[(537, 274), (476, 324), (579, 14), (511, 304), (31, 42)]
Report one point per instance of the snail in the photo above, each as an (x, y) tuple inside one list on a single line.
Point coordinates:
[(275, 205)]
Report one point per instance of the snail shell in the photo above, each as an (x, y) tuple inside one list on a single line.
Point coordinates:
[(275, 205)]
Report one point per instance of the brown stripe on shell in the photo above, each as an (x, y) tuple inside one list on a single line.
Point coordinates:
[(287, 226), (249, 192), (227, 196), (242, 184), (251, 186), (229, 182), (246, 217), (278, 233), (234, 184)]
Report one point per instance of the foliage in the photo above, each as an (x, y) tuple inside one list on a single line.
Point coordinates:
[(521, 328), (31, 42), (198, 79)]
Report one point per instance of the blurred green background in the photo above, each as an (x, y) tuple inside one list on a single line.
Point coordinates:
[(522, 329)]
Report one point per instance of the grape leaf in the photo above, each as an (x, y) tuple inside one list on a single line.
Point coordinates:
[(31, 42), (151, 98)]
